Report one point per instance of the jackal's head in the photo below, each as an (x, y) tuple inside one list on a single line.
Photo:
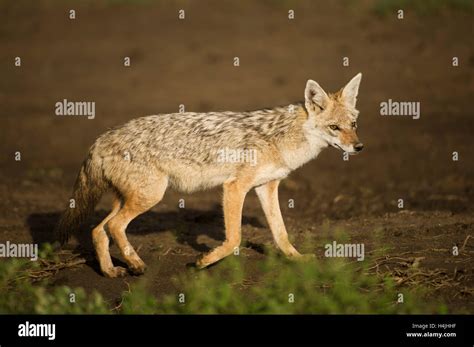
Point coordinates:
[(335, 116)]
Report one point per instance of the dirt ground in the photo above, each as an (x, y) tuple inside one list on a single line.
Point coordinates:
[(190, 62)]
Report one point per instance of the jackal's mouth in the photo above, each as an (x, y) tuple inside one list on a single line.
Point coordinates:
[(335, 145)]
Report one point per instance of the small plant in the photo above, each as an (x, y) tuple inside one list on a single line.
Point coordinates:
[(24, 289), (279, 286), (332, 286)]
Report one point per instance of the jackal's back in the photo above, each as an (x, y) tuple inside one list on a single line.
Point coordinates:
[(185, 146), (195, 136)]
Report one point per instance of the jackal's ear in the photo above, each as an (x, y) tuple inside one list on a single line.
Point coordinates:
[(315, 95), (350, 91)]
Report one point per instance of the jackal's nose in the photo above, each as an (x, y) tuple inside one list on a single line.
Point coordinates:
[(358, 147)]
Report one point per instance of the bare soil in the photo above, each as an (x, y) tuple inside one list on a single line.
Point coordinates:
[(190, 62)]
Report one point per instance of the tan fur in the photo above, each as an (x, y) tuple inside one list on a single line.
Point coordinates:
[(268, 195), (140, 159)]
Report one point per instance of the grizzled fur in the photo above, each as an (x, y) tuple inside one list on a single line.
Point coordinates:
[(139, 159), (185, 145)]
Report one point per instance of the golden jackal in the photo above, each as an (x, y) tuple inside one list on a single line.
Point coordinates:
[(195, 151)]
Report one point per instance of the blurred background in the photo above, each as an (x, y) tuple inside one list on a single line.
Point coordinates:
[(190, 61)]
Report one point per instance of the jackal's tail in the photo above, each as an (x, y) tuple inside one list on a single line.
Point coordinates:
[(88, 189)]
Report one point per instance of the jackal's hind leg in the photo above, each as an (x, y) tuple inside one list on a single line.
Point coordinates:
[(101, 244), (149, 192)]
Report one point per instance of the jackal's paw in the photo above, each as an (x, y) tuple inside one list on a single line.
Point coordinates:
[(138, 267), (116, 271), (202, 262)]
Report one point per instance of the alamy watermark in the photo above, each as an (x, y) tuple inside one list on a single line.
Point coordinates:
[(75, 108), (345, 250), (28, 329), (400, 108), (229, 155), (19, 250)]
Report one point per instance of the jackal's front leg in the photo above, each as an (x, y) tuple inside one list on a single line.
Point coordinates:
[(268, 195), (234, 195)]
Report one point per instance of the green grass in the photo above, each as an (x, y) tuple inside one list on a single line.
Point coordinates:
[(21, 294), (280, 286), (283, 287)]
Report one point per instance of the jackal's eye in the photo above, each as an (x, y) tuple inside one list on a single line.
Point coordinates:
[(334, 127), (354, 125)]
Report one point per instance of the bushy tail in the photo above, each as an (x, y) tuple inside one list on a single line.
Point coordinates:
[(88, 189)]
